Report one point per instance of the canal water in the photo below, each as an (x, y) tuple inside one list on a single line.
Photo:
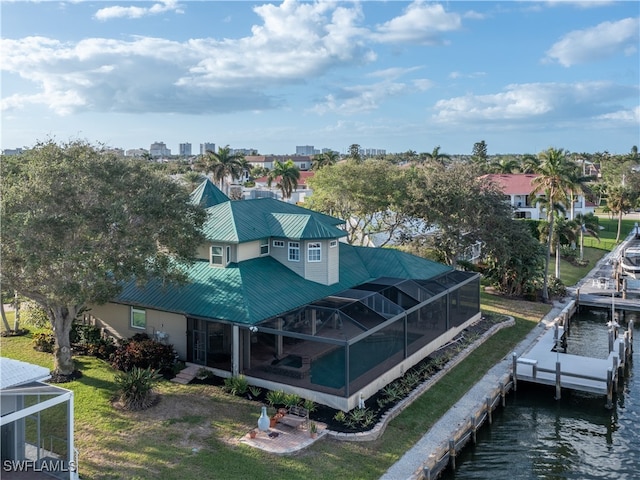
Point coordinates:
[(576, 437)]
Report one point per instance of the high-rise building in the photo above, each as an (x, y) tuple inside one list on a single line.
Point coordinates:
[(185, 149), (159, 149), (305, 150), (207, 147)]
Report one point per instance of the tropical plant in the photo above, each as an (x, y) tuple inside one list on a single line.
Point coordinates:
[(236, 385), (325, 159), (135, 387), (79, 222), (587, 225), (620, 200), (437, 157), (192, 179), (143, 352), (553, 182), (504, 165), (222, 165), (275, 397), (286, 175)]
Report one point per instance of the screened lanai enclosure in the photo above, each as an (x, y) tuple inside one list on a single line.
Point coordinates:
[(342, 343)]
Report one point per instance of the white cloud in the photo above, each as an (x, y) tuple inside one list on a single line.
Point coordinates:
[(534, 102), (600, 42), (624, 116), (456, 75), (109, 13), (292, 43), (421, 23)]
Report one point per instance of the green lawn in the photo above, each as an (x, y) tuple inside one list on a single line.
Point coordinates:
[(193, 432), (571, 274), (608, 234)]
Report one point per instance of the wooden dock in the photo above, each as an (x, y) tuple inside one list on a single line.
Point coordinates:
[(604, 301), (547, 363)]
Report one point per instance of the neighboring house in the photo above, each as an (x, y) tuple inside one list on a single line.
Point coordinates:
[(517, 187), (275, 296), (303, 162), (32, 433)]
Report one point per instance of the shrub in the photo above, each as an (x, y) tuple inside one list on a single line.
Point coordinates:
[(44, 341), (291, 400), (135, 387), (143, 352), (236, 385), (85, 334), (275, 397)]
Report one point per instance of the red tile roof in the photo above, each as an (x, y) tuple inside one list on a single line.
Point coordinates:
[(513, 183)]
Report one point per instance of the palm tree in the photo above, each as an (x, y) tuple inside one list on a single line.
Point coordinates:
[(619, 202), (505, 165), (436, 156), (553, 180), (578, 185), (563, 234), (193, 179), (325, 159), (587, 224), (529, 163), (287, 176), (222, 165)]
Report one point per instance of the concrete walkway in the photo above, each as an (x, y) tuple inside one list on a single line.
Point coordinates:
[(411, 464)]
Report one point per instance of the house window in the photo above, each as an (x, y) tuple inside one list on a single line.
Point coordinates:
[(313, 252), (294, 251), (278, 244), (216, 255), (333, 243), (228, 255), (138, 318), (264, 247), (303, 166)]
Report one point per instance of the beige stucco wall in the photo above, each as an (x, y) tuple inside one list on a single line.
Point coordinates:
[(115, 318)]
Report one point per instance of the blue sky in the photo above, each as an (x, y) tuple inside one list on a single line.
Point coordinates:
[(520, 75)]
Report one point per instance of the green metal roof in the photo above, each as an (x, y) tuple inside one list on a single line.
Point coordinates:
[(258, 289), (246, 220), (207, 195)]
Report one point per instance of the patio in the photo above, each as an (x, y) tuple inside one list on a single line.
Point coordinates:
[(283, 439)]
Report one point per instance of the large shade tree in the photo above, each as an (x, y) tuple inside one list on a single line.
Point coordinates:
[(77, 222), (367, 196), (458, 209)]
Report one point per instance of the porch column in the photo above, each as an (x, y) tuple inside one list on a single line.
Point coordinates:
[(73, 467), (279, 338), (235, 351), (313, 321)]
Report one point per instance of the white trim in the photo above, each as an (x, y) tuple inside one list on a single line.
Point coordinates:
[(293, 249), (278, 243), (314, 249)]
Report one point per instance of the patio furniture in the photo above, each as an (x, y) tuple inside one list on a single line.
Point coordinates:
[(296, 417)]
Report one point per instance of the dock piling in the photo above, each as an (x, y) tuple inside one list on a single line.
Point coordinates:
[(558, 387)]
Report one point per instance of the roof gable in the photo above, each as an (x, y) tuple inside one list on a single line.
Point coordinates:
[(248, 220), (207, 195)]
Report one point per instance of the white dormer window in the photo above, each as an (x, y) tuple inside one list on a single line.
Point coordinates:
[(313, 252), (220, 256), (294, 251), (264, 246), (278, 243), (333, 244)]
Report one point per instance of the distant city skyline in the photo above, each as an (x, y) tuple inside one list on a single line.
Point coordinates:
[(396, 76)]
